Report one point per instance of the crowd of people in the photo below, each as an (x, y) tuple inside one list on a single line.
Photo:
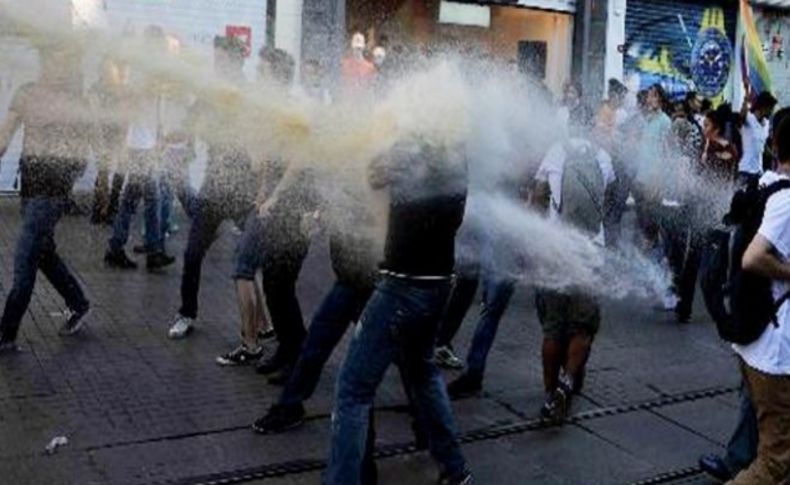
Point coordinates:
[(407, 293)]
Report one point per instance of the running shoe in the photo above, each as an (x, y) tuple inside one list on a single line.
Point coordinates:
[(280, 418), (445, 357), (181, 327), (75, 322), (241, 355)]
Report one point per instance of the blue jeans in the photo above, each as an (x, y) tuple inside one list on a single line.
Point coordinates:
[(36, 250), (497, 292), (742, 448), (399, 324), (340, 307), (137, 187)]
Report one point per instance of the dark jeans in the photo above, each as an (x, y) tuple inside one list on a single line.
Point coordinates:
[(684, 246), (461, 298), (36, 250), (207, 215), (139, 187), (399, 324), (615, 204), (281, 267), (742, 447), (340, 307), (496, 296)]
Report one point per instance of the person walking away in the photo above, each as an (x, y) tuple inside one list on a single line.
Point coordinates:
[(754, 124), (763, 362), (57, 130), (570, 184), (427, 189)]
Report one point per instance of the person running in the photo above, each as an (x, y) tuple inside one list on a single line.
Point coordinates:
[(427, 188), (570, 184), (228, 190), (142, 150), (55, 147), (763, 363)]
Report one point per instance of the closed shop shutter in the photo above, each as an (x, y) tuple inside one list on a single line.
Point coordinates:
[(683, 45)]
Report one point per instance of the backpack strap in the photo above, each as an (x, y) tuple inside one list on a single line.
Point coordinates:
[(775, 187)]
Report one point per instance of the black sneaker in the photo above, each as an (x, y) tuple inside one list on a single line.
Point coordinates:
[(75, 322), (467, 385), (7, 346), (118, 259), (280, 418), (158, 260), (464, 478), (271, 364), (241, 355)]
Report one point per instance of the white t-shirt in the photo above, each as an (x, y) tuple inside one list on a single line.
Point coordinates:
[(771, 352), (754, 135), (553, 166)]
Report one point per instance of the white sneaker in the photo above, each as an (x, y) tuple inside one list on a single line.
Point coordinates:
[(670, 300), (181, 327)]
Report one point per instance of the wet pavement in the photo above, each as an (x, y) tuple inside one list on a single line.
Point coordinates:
[(138, 408)]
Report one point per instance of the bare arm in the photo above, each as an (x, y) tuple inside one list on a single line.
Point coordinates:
[(8, 129), (760, 258), (290, 179)]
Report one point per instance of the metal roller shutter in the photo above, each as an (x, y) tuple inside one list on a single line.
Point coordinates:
[(665, 40)]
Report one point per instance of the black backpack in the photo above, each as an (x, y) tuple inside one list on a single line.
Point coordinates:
[(740, 302)]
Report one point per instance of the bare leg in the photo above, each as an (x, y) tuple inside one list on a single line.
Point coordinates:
[(246, 293), (261, 319), (553, 356), (576, 360)]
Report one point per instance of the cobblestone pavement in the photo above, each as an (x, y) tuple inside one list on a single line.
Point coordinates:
[(138, 408)]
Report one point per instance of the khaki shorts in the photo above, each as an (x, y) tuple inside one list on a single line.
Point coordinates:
[(562, 315)]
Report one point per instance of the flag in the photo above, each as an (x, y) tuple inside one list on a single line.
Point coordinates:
[(751, 69)]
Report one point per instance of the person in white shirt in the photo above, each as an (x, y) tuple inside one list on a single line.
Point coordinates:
[(143, 143), (570, 184), (754, 134), (766, 362)]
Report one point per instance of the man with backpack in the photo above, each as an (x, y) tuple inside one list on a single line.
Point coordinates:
[(765, 362), (571, 184), (742, 445)]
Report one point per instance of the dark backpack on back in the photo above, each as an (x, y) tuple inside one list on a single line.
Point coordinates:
[(740, 302)]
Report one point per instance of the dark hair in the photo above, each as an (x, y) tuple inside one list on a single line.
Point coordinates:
[(706, 105), (662, 96), (720, 117), (616, 88), (764, 100), (778, 118), (782, 142)]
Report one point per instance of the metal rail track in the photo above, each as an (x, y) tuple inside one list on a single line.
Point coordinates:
[(492, 432)]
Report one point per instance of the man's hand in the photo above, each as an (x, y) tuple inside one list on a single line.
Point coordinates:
[(265, 208)]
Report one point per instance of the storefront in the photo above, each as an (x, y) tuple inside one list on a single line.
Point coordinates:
[(773, 25), (534, 34), (684, 45)]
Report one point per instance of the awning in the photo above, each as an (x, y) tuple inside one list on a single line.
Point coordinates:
[(771, 3), (556, 5)]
